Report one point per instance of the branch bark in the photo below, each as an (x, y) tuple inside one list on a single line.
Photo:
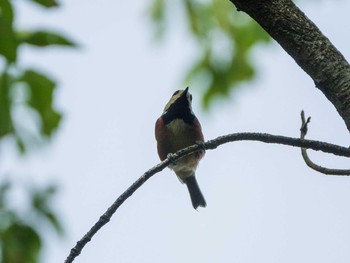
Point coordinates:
[(306, 44), (209, 145)]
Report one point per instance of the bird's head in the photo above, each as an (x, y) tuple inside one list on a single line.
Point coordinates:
[(180, 103)]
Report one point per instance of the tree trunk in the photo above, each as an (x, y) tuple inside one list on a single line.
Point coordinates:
[(304, 42)]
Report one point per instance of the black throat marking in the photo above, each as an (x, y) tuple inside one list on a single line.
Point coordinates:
[(180, 109)]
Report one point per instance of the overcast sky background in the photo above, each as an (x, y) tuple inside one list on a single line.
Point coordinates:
[(264, 204)]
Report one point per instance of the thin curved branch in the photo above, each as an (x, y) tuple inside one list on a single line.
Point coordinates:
[(209, 145), (311, 164)]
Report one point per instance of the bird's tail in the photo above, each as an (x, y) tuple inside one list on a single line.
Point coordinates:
[(195, 193)]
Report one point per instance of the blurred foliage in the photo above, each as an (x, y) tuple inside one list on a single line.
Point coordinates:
[(46, 3), (43, 38), (26, 101), (26, 88), (20, 235), (225, 39)]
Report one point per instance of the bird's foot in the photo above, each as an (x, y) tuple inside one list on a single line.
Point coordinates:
[(200, 144)]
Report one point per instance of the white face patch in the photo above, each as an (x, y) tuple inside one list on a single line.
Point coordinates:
[(176, 96)]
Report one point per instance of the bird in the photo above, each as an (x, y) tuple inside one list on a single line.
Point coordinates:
[(176, 129)]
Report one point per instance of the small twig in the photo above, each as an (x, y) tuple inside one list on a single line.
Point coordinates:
[(209, 145), (311, 164)]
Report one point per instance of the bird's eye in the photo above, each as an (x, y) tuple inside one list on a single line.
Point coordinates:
[(191, 97), (176, 92)]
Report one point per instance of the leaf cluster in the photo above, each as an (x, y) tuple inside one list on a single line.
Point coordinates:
[(26, 93), (225, 40), (20, 235), (29, 116)]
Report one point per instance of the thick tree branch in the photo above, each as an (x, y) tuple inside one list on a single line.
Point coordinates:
[(209, 145), (303, 41), (311, 164)]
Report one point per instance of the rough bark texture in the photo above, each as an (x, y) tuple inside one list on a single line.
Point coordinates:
[(303, 41)]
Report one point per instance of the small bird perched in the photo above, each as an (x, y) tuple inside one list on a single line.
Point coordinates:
[(176, 129)]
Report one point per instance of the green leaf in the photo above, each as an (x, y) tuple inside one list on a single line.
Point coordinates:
[(20, 144), (249, 35), (41, 100), (41, 202), (4, 187), (44, 39), (20, 244), (157, 10), (199, 18), (42, 197), (5, 105), (158, 16), (53, 219), (8, 43), (46, 3)]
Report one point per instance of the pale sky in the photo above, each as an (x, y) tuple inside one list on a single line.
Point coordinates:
[(263, 203)]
